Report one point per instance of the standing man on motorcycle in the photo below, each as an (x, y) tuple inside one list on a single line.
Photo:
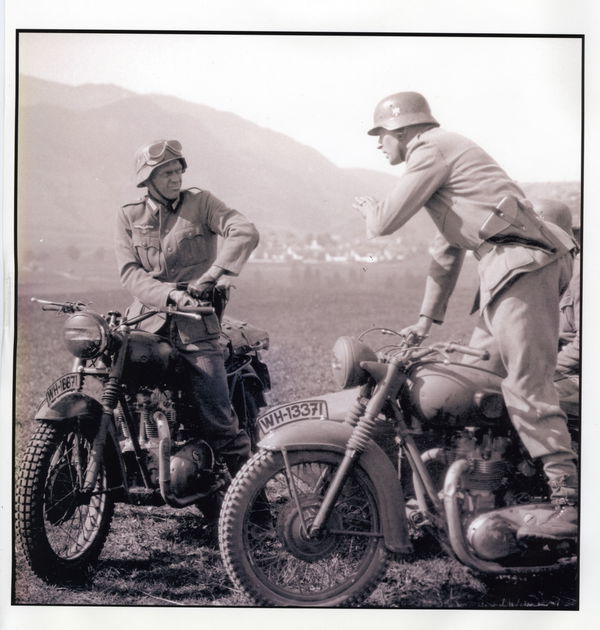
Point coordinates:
[(166, 248), (524, 266)]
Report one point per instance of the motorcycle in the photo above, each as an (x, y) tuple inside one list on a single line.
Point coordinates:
[(118, 428), (415, 447)]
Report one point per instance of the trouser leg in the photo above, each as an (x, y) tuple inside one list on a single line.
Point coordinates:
[(216, 421), (523, 320), (483, 339)]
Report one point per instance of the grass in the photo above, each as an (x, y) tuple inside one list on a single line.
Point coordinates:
[(160, 556)]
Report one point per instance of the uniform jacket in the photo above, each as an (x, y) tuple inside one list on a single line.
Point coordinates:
[(461, 188), (157, 248), (568, 355)]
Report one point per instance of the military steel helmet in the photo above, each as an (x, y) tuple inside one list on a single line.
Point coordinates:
[(151, 156), (555, 212), (401, 110)]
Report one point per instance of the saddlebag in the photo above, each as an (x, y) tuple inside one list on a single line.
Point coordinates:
[(241, 337)]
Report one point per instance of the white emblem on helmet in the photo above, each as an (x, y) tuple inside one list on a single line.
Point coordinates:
[(395, 111)]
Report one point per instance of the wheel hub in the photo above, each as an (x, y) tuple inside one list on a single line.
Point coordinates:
[(293, 535)]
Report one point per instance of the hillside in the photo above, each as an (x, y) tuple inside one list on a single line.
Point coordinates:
[(75, 167)]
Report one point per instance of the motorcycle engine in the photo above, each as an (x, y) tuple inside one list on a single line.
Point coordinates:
[(191, 468), (155, 416), (493, 507), (488, 467)]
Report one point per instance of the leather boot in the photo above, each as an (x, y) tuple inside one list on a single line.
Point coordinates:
[(560, 525), (564, 494)]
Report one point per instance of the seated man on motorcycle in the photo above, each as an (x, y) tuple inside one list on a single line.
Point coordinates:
[(167, 240), (525, 264), (566, 377)]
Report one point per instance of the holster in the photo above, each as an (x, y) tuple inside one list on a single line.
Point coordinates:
[(515, 218)]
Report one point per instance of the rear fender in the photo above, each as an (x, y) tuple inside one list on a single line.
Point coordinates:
[(324, 435)]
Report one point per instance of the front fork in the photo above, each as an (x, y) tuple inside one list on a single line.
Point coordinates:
[(392, 379), (110, 400)]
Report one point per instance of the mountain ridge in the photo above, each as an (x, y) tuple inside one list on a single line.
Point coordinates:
[(75, 168)]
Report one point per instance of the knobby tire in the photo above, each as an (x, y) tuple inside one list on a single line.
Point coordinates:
[(60, 535)]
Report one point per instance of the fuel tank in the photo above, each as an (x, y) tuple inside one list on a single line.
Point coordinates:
[(454, 394), (151, 360)]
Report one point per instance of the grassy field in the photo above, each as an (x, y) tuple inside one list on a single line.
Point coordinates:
[(157, 556)]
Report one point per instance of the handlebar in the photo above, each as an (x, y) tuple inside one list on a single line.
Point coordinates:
[(484, 355), (63, 307), (405, 352), (191, 312)]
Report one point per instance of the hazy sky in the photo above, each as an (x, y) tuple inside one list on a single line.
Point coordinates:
[(519, 97)]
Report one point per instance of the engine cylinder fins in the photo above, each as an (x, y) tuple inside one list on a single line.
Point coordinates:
[(484, 474)]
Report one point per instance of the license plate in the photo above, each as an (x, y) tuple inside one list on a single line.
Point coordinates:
[(66, 383), (305, 410)]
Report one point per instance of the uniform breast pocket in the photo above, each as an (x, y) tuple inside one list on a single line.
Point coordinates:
[(147, 247), (191, 246)]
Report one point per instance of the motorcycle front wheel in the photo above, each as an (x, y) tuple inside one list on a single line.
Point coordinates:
[(60, 528), (263, 542)]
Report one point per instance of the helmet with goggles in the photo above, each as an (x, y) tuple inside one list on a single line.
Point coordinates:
[(150, 156), (403, 109)]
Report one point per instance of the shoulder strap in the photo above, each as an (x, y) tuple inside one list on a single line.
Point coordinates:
[(134, 203)]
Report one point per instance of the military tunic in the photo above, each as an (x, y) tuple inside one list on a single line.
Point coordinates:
[(157, 248), (524, 265)]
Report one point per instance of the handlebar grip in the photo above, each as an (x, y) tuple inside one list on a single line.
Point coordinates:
[(198, 310), (484, 355)]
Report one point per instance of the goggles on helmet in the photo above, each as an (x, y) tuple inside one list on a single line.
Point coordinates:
[(154, 153), (156, 149)]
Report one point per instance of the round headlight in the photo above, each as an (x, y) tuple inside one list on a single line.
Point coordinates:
[(86, 335), (347, 356)]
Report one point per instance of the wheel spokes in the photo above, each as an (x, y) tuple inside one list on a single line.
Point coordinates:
[(344, 547), (70, 516)]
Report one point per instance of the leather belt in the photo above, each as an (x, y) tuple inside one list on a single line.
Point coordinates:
[(487, 246)]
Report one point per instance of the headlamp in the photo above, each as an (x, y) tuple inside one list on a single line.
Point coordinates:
[(86, 335), (348, 353)]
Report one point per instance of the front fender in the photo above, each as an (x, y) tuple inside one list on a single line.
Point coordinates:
[(70, 406), (327, 435), (78, 405)]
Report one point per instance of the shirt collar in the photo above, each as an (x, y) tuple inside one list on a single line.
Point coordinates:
[(155, 205)]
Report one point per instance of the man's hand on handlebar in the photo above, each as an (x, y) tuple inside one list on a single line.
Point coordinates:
[(415, 333), (204, 286), (181, 299)]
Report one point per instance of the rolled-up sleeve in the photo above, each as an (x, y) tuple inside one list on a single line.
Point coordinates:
[(444, 269), (240, 236), (426, 171), (139, 282)]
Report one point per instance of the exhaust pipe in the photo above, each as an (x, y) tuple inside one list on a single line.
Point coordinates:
[(456, 533)]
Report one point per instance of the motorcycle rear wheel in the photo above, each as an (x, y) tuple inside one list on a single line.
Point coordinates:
[(61, 530), (262, 545)]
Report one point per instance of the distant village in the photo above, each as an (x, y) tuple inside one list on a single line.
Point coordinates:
[(331, 248)]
